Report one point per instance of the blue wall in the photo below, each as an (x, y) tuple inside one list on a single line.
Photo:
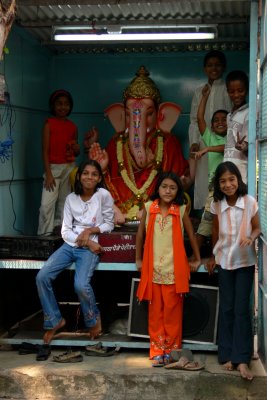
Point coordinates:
[(95, 81)]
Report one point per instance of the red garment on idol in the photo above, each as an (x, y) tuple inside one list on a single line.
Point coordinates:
[(173, 160)]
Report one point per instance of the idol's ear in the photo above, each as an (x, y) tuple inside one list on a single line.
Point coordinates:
[(116, 114), (168, 115)]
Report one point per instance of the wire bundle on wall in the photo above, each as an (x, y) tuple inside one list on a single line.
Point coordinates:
[(8, 116)]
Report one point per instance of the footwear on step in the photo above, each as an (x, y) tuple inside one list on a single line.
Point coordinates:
[(98, 350), (184, 364), (69, 357), (28, 348), (158, 361), (177, 354), (43, 352)]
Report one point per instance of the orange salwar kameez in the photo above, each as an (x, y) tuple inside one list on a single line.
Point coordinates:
[(165, 300), (165, 315)]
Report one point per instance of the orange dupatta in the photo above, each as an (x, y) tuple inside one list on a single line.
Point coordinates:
[(180, 262)]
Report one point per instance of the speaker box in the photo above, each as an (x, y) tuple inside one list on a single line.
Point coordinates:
[(29, 247), (200, 314)]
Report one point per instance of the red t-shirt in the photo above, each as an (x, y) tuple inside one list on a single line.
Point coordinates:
[(63, 134)]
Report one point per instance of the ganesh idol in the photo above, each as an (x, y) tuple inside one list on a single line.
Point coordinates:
[(142, 146)]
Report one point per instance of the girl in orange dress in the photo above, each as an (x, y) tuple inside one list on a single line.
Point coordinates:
[(165, 269)]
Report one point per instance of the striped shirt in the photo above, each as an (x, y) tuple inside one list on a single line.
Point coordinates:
[(237, 123), (234, 225)]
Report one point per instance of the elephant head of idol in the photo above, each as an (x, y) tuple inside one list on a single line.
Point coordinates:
[(141, 115)]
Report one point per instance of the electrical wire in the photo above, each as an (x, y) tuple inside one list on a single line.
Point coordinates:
[(8, 117)]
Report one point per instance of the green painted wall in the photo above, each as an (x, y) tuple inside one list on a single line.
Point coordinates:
[(95, 81)]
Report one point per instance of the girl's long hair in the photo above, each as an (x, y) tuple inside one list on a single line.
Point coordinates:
[(228, 166), (78, 189), (179, 199)]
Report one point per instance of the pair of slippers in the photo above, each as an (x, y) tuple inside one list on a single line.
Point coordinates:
[(98, 350), (184, 360)]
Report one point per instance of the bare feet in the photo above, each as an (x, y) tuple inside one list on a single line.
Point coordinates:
[(96, 330), (245, 371), (228, 366), (50, 333)]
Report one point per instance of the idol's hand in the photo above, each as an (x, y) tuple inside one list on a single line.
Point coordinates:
[(89, 138), (99, 155)]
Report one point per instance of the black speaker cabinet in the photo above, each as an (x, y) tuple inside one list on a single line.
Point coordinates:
[(200, 314)]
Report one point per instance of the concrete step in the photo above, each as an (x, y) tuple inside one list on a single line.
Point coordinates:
[(126, 376)]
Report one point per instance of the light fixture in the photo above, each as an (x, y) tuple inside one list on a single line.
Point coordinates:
[(134, 33), (132, 37)]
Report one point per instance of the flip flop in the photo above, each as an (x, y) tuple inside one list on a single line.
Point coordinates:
[(98, 350), (158, 361), (43, 352), (186, 365), (177, 354), (69, 357)]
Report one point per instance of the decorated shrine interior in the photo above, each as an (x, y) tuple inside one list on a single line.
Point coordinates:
[(96, 73)]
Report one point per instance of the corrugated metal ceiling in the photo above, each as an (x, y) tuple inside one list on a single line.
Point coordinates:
[(39, 16)]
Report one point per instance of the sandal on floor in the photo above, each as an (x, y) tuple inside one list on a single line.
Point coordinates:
[(69, 357), (28, 348), (177, 354), (185, 364), (158, 361), (98, 350), (43, 352)]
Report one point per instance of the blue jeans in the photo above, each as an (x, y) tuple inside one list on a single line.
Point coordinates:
[(86, 262), (235, 341)]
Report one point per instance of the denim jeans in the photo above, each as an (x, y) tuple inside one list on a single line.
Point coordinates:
[(235, 340), (85, 264)]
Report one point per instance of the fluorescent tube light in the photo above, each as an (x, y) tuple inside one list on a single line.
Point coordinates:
[(130, 37)]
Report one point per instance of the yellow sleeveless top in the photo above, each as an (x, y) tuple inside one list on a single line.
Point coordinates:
[(163, 271)]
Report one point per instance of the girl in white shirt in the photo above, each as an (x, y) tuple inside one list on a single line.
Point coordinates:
[(235, 228), (87, 212)]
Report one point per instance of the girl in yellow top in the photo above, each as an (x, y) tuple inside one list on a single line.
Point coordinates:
[(165, 270)]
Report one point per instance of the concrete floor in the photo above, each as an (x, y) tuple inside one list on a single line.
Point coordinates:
[(125, 376)]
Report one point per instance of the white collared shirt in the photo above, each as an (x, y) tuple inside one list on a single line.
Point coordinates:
[(79, 215), (234, 225)]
